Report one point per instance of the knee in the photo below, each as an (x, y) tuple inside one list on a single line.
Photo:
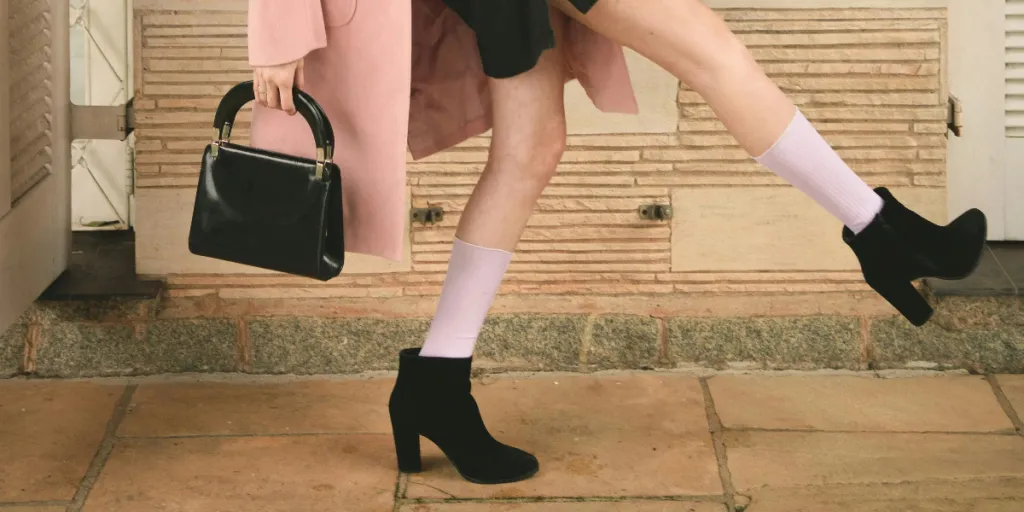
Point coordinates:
[(535, 155), (550, 147), (732, 61)]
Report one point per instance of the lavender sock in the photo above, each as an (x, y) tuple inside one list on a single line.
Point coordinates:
[(474, 276), (803, 158)]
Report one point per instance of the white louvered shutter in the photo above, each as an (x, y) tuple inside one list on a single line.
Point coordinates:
[(1015, 68)]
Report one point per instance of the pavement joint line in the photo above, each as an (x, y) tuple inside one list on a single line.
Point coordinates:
[(438, 489), (400, 483), (46, 503), (103, 452), (279, 434), (715, 426), (887, 484), (1005, 403)]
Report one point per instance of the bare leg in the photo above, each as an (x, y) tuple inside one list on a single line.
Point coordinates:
[(527, 142), (692, 42), (432, 393)]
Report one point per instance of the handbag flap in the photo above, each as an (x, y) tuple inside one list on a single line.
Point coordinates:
[(262, 186), (268, 210)]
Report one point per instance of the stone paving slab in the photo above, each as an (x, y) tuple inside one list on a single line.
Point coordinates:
[(642, 435), (607, 443), (623, 506), (49, 433), (794, 459), (222, 408), (271, 474), (981, 495), (939, 404)]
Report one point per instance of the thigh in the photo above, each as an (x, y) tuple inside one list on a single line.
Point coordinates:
[(530, 104), (526, 144), (678, 35)]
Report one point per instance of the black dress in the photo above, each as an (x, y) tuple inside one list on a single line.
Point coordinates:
[(511, 34)]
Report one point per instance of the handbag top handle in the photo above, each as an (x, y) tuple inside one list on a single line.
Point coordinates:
[(241, 94)]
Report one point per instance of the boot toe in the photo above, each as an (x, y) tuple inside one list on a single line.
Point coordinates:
[(971, 221), (972, 231), (502, 466)]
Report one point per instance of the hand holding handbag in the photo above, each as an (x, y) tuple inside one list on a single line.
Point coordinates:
[(265, 209)]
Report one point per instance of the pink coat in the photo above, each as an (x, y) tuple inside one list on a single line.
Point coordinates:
[(393, 74)]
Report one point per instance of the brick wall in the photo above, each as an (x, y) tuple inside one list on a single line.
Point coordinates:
[(871, 80)]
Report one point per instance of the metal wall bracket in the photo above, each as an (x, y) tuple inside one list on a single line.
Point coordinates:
[(655, 212), (428, 215), (91, 122), (955, 116)]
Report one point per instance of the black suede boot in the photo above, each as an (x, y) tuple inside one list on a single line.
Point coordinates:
[(432, 399), (900, 246)]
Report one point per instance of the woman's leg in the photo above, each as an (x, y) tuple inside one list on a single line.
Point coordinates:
[(894, 245), (693, 43), (432, 394), (526, 145)]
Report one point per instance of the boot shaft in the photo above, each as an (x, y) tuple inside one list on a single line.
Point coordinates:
[(424, 380)]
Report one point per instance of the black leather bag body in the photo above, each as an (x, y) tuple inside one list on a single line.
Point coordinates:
[(266, 209)]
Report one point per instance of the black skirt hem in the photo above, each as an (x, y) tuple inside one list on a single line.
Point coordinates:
[(511, 34)]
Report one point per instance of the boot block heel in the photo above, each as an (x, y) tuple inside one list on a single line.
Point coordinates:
[(906, 299), (407, 449)]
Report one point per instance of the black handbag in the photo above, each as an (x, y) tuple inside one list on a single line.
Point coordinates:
[(265, 209)]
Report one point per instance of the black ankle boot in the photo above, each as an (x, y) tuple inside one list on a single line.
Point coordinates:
[(432, 399), (900, 246)]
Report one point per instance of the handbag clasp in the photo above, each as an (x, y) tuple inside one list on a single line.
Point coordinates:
[(221, 136), (324, 156)]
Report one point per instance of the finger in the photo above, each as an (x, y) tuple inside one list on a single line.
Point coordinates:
[(261, 91), (287, 101), (300, 75), (273, 101)]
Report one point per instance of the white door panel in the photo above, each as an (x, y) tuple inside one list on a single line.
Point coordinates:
[(986, 72), (977, 165), (35, 229)]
